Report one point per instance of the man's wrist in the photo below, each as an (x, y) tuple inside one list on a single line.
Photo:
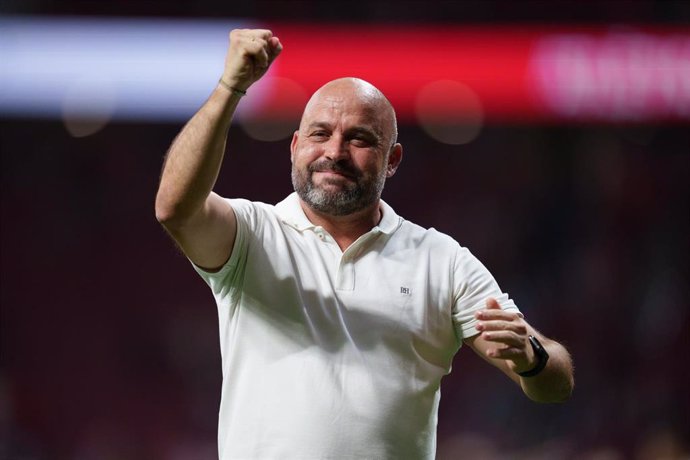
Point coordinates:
[(541, 355), (233, 89)]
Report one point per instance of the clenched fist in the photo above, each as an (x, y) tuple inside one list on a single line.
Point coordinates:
[(250, 53)]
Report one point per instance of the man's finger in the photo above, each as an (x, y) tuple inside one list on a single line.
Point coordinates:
[(261, 59), (255, 45), (508, 338), (275, 46), (504, 353), (266, 34), (501, 324), (497, 314)]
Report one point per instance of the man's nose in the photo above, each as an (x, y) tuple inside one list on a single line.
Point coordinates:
[(337, 149)]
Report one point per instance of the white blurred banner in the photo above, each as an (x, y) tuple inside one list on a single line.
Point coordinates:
[(150, 69)]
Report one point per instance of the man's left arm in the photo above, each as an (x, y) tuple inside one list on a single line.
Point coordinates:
[(503, 340)]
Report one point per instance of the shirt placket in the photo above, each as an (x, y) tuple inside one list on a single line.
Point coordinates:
[(345, 275)]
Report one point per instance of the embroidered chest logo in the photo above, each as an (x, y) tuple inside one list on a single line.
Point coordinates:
[(404, 290)]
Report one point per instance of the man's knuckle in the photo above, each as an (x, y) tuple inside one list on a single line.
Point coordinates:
[(238, 33)]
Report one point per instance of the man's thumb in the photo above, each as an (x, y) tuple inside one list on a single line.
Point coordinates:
[(491, 303)]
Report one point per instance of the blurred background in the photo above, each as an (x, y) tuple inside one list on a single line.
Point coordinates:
[(551, 138)]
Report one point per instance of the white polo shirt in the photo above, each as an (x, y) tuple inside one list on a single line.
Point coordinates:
[(339, 355)]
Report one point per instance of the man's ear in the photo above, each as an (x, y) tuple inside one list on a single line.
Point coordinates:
[(293, 146), (394, 159)]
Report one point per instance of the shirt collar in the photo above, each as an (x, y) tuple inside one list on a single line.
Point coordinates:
[(390, 221), (290, 212)]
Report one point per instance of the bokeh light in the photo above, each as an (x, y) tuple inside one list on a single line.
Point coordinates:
[(450, 112), (88, 105), (278, 116)]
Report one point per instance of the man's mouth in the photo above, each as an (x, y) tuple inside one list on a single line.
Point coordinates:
[(333, 170), (331, 173)]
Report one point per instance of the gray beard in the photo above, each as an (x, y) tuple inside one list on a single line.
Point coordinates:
[(350, 199)]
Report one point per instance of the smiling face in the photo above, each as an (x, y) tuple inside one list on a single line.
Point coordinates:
[(345, 148)]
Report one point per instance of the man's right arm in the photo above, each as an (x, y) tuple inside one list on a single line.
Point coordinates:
[(201, 222)]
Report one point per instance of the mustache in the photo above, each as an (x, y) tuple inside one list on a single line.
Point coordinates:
[(326, 165)]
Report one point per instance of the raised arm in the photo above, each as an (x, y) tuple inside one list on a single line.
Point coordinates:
[(202, 223), (503, 341)]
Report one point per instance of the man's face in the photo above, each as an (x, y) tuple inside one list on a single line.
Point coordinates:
[(340, 155)]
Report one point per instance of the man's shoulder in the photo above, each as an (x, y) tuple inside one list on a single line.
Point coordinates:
[(245, 205), (287, 212), (253, 215), (410, 231), (427, 237), (287, 205)]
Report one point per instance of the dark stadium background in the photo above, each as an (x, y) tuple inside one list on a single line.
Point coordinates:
[(109, 341)]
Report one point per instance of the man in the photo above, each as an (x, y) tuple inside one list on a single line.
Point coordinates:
[(338, 318)]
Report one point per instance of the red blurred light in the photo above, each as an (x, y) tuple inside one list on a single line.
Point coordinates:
[(508, 68)]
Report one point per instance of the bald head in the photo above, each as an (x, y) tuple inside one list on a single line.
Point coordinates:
[(357, 91)]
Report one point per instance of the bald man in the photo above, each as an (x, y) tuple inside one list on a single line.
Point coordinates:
[(338, 318)]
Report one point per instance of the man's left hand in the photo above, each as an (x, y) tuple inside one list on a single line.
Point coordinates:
[(509, 332)]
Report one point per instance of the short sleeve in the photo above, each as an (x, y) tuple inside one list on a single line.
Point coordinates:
[(222, 281), (473, 285)]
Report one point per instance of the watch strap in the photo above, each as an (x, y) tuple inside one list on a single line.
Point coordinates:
[(542, 358)]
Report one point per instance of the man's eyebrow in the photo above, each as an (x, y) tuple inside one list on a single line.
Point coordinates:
[(319, 124), (354, 130), (364, 130)]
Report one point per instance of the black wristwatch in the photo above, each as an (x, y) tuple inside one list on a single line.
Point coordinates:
[(541, 355)]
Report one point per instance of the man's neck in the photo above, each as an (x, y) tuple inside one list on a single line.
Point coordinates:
[(345, 229)]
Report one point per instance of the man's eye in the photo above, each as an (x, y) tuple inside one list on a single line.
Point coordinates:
[(319, 135), (361, 141)]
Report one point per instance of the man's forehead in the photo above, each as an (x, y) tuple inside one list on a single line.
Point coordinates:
[(329, 104), (326, 101), (341, 99), (340, 104)]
